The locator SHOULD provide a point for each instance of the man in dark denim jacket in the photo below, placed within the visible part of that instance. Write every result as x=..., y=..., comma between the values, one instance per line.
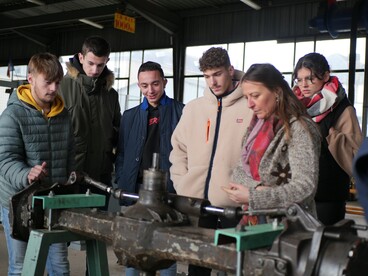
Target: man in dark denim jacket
x=144, y=130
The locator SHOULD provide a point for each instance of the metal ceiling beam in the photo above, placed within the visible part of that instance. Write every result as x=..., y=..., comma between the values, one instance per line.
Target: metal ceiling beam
x=10, y=84
x=44, y=42
x=56, y=18
x=164, y=19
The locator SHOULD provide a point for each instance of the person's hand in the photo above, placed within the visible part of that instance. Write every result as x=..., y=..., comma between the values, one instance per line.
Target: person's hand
x=237, y=193
x=331, y=131
x=38, y=172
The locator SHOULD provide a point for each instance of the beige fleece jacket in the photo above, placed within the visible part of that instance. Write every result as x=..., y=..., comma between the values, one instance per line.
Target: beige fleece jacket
x=193, y=143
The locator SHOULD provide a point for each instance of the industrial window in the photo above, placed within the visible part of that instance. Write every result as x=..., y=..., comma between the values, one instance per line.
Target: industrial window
x=284, y=57
x=125, y=66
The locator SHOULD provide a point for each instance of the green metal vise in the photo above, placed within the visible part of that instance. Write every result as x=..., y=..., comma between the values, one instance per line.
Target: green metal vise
x=40, y=239
x=248, y=238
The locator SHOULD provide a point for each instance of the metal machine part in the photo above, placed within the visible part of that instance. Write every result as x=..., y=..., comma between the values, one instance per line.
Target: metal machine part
x=306, y=247
x=159, y=230
x=151, y=205
x=23, y=217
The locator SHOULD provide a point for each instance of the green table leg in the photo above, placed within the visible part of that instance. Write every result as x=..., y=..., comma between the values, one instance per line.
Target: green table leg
x=97, y=258
x=38, y=247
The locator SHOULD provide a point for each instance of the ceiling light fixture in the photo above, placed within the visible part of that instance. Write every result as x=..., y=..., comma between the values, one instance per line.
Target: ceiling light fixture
x=91, y=23
x=251, y=4
x=37, y=2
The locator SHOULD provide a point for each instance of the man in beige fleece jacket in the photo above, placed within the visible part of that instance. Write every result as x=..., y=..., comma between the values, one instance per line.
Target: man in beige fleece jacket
x=207, y=140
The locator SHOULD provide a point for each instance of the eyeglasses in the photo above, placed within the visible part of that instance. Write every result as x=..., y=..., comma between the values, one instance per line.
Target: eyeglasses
x=307, y=80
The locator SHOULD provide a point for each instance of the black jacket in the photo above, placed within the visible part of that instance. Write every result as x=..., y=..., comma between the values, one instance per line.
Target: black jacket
x=95, y=112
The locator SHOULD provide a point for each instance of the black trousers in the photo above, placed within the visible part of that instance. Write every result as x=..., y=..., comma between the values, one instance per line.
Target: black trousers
x=210, y=222
x=330, y=212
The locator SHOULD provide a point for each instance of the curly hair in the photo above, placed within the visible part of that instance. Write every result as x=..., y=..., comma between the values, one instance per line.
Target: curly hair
x=214, y=57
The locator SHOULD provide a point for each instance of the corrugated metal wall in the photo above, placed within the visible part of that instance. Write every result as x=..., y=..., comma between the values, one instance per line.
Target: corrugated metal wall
x=266, y=24
x=286, y=22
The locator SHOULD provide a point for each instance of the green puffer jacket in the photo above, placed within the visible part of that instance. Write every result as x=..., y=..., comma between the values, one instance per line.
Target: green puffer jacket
x=27, y=139
x=95, y=112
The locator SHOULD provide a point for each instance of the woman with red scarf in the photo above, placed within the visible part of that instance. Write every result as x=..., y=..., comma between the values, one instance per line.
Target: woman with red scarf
x=279, y=160
x=327, y=104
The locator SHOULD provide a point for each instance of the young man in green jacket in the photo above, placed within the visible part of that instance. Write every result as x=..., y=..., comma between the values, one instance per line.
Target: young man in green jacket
x=36, y=145
x=94, y=108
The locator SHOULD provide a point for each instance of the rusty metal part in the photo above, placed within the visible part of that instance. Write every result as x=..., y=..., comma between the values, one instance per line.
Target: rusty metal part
x=151, y=205
x=187, y=205
x=23, y=217
x=159, y=230
x=151, y=246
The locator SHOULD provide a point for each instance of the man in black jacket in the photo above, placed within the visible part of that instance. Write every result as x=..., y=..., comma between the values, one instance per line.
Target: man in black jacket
x=94, y=108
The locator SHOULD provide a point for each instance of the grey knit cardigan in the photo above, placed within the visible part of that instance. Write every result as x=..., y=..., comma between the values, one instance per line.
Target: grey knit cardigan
x=289, y=168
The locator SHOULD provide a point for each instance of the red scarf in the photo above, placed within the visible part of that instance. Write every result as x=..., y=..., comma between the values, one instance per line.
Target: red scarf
x=248, y=219
x=263, y=139
x=323, y=102
x=265, y=135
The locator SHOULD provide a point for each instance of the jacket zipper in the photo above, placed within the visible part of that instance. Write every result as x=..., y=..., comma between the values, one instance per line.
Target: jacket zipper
x=218, y=121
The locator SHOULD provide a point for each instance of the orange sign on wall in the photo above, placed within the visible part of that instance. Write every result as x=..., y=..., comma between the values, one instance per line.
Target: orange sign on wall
x=125, y=23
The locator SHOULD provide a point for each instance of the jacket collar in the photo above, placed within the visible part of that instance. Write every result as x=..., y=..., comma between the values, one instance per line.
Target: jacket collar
x=228, y=98
x=74, y=69
x=164, y=100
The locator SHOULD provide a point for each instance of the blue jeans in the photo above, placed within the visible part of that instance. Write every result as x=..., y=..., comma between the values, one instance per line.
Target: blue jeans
x=57, y=263
x=170, y=271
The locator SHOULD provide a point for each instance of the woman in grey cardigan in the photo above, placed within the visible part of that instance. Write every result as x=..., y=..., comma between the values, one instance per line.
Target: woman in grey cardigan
x=279, y=160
